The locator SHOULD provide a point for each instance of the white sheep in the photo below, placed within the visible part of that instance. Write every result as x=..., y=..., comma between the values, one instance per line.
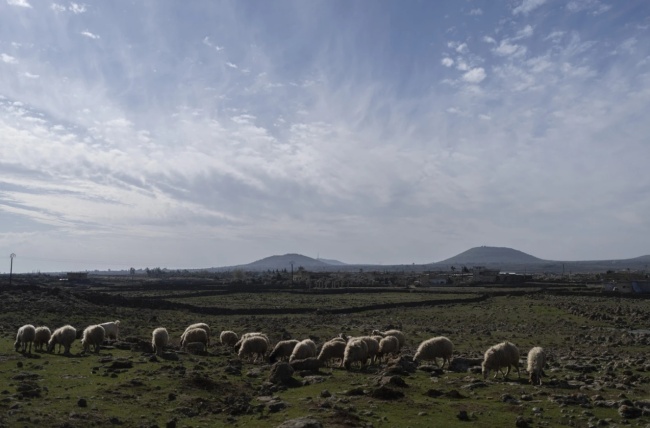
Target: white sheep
x=228, y=338
x=504, y=354
x=26, y=335
x=332, y=350
x=434, y=348
x=356, y=350
x=304, y=349
x=282, y=350
x=200, y=325
x=255, y=346
x=536, y=361
x=194, y=335
x=111, y=329
x=247, y=335
x=398, y=334
x=43, y=335
x=159, y=339
x=93, y=335
x=62, y=336
x=373, y=347
x=388, y=345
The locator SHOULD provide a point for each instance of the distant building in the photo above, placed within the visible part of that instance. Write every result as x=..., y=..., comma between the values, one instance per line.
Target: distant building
x=482, y=274
x=77, y=276
x=511, y=278
x=640, y=287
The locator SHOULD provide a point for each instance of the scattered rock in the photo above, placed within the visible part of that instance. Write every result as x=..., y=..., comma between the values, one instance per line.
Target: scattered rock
x=462, y=365
x=386, y=393
x=277, y=406
x=306, y=422
x=522, y=422
x=463, y=416
x=282, y=373
x=82, y=402
x=629, y=412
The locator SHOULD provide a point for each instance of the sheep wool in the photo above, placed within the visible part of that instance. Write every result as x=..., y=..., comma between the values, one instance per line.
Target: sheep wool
x=303, y=349
x=434, y=348
x=25, y=336
x=398, y=334
x=228, y=338
x=332, y=350
x=200, y=325
x=194, y=335
x=41, y=338
x=282, y=350
x=111, y=329
x=504, y=354
x=536, y=361
x=159, y=339
x=356, y=351
x=254, y=346
x=93, y=336
x=388, y=345
x=62, y=336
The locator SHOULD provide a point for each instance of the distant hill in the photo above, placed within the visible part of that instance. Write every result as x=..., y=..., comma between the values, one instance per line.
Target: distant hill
x=284, y=262
x=332, y=262
x=490, y=255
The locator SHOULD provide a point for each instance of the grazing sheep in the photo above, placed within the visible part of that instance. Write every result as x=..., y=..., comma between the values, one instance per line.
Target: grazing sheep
x=111, y=329
x=388, y=345
x=356, y=351
x=304, y=349
x=333, y=349
x=434, y=348
x=536, y=362
x=200, y=325
x=247, y=335
x=255, y=346
x=282, y=350
x=194, y=335
x=310, y=364
x=373, y=347
x=62, y=336
x=228, y=338
x=371, y=342
x=504, y=354
x=398, y=334
x=159, y=339
x=26, y=335
x=93, y=335
x=41, y=338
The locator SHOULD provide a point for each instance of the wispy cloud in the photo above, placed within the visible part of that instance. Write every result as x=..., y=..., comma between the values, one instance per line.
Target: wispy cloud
x=475, y=75
x=8, y=59
x=20, y=3
x=528, y=6
x=77, y=8
x=159, y=140
x=90, y=35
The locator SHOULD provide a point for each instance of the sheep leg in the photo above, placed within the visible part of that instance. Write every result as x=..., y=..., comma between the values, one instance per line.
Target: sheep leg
x=508, y=372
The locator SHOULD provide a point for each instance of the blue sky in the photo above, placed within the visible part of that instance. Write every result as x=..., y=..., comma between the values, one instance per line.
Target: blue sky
x=213, y=133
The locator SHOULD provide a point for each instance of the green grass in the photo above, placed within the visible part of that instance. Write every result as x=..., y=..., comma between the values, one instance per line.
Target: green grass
x=202, y=391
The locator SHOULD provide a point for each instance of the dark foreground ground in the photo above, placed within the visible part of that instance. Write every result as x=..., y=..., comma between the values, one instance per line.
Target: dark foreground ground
x=598, y=373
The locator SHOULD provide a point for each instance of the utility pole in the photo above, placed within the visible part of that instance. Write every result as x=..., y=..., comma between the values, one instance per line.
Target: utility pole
x=291, y=272
x=11, y=267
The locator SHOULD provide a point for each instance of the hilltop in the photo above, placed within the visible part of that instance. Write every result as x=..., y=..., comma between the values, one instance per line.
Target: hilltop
x=491, y=255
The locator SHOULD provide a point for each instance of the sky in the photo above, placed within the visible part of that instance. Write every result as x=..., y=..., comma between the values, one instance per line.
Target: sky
x=214, y=133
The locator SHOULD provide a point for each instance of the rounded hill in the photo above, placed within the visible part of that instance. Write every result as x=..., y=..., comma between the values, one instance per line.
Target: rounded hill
x=491, y=255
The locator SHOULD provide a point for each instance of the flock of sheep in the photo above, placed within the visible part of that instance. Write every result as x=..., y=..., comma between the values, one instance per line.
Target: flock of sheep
x=302, y=355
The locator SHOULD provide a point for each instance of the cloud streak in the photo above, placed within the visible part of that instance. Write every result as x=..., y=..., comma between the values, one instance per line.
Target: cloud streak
x=363, y=144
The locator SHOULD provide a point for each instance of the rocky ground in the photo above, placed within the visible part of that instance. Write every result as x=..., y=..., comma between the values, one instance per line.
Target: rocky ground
x=598, y=370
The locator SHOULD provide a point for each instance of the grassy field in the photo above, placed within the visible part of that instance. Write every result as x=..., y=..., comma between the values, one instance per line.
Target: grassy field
x=597, y=345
